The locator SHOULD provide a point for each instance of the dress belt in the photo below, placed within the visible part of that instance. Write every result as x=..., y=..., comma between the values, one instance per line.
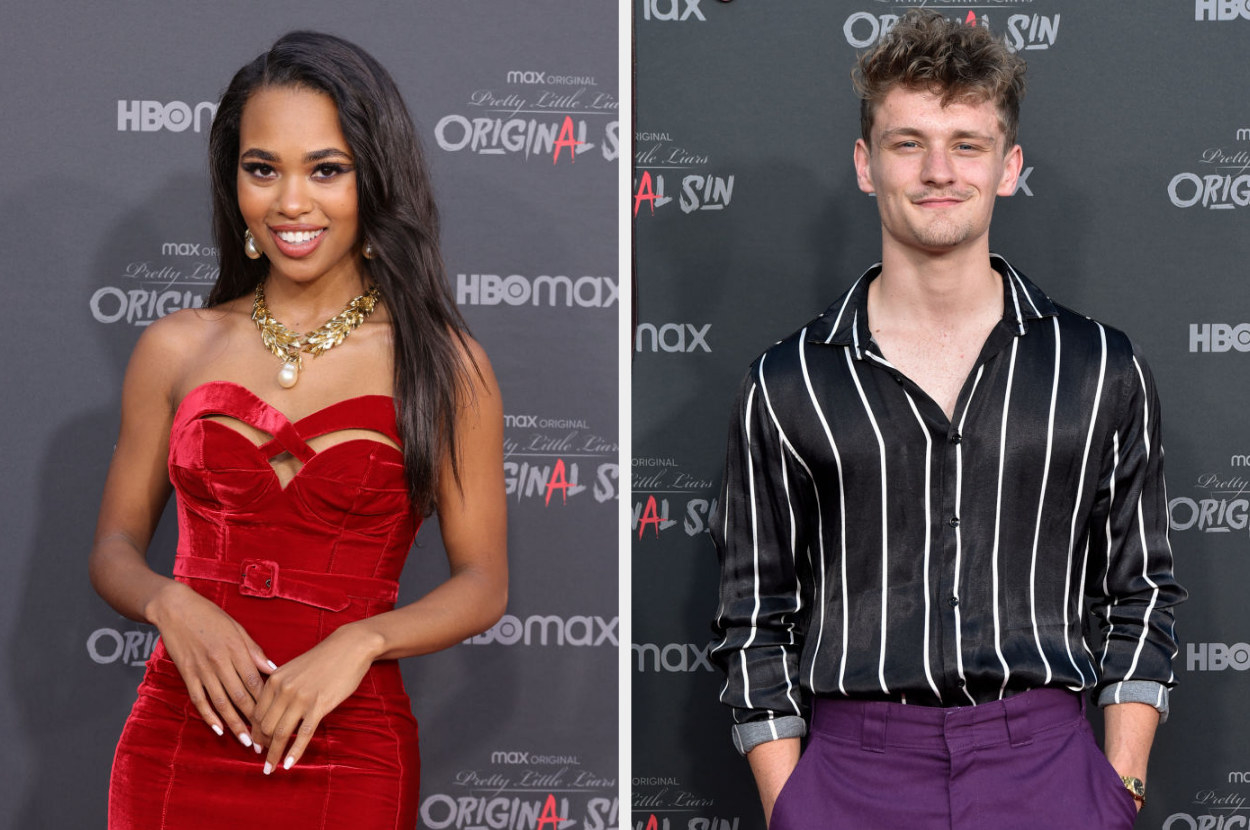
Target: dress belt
x=264, y=579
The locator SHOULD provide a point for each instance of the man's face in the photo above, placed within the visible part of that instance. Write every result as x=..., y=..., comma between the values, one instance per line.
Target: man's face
x=935, y=170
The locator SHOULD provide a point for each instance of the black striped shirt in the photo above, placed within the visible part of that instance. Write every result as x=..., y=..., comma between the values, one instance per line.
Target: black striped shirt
x=872, y=548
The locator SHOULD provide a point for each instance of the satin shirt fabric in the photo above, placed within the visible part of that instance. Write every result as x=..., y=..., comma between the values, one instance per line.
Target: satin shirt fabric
x=873, y=549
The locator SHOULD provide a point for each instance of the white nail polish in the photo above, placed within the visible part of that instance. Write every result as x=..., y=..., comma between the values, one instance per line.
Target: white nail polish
x=272, y=665
x=245, y=739
x=218, y=730
x=290, y=759
x=259, y=749
x=268, y=768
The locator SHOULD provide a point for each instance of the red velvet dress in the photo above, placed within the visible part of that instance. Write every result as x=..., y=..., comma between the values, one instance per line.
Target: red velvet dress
x=290, y=565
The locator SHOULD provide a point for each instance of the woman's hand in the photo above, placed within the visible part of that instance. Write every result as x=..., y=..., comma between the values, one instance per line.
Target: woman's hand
x=221, y=665
x=303, y=691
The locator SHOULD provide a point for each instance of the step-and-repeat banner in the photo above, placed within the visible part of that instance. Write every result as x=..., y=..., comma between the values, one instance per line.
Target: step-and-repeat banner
x=104, y=217
x=1132, y=208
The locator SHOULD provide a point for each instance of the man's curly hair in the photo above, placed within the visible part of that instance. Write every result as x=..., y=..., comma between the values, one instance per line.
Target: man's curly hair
x=926, y=51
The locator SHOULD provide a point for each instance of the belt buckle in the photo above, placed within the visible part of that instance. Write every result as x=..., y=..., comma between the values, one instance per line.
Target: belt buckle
x=260, y=578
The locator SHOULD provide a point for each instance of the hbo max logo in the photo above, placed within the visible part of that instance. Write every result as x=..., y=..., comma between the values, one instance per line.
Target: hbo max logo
x=1219, y=337
x=491, y=289
x=1217, y=656
x=1221, y=9
x=152, y=116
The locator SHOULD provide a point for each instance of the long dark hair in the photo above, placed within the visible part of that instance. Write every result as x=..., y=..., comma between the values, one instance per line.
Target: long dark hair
x=396, y=213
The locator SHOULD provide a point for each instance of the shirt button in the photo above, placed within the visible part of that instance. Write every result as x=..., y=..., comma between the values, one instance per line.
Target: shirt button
x=962, y=683
x=953, y=601
x=953, y=521
x=898, y=378
x=956, y=438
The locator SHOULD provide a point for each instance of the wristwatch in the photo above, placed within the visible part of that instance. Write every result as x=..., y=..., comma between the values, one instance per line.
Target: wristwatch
x=1136, y=788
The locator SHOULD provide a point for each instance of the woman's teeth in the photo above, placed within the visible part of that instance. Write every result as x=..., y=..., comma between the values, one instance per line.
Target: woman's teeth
x=298, y=237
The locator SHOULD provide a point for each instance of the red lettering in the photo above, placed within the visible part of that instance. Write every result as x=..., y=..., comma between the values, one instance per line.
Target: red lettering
x=548, y=815
x=566, y=139
x=558, y=482
x=652, y=824
x=650, y=515
x=645, y=193
x=971, y=19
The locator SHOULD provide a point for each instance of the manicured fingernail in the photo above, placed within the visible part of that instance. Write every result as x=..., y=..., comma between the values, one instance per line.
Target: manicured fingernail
x=272, y=665
x=218, y=730
x=290, y=759
x=245, y=739
x=268, y=768
x=259, y=749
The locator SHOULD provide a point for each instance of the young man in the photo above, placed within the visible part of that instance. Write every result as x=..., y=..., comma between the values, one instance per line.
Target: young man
x=944, y=514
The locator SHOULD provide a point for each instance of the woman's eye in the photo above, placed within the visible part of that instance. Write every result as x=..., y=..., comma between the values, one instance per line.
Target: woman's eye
x=329, y=170
x=258, y=169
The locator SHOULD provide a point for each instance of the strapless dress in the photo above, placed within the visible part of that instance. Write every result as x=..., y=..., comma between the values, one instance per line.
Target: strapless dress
x=290, y=564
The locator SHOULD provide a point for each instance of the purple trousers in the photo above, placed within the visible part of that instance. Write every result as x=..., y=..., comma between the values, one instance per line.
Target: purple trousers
x=1025, y=763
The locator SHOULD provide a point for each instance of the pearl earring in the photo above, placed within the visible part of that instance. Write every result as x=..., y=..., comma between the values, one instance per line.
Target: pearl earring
x=368, y=251
x=249, y=245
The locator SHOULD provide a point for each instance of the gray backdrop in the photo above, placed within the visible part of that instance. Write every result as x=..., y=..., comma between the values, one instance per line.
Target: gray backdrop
x=1132, y=209
x=104, y=217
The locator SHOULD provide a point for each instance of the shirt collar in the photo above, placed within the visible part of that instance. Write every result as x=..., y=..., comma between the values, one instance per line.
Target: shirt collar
x=845, y=323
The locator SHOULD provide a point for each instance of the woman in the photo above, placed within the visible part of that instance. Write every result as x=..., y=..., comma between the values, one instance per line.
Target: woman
x=303, y=465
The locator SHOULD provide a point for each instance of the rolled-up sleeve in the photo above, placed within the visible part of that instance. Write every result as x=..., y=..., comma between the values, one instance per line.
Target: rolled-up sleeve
x=1133, y=598
x=760, y=537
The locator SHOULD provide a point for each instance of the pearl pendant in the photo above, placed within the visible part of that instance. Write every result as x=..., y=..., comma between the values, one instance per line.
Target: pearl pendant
x=288, y=375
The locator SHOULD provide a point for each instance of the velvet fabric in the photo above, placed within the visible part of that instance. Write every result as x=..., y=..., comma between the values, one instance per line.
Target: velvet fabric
x=290, y=564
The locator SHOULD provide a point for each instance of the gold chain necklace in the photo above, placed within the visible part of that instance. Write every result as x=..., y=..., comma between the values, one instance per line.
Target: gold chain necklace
x=290, y=346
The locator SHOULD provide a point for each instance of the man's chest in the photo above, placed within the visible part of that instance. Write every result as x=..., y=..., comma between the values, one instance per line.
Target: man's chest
x=937, y=361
